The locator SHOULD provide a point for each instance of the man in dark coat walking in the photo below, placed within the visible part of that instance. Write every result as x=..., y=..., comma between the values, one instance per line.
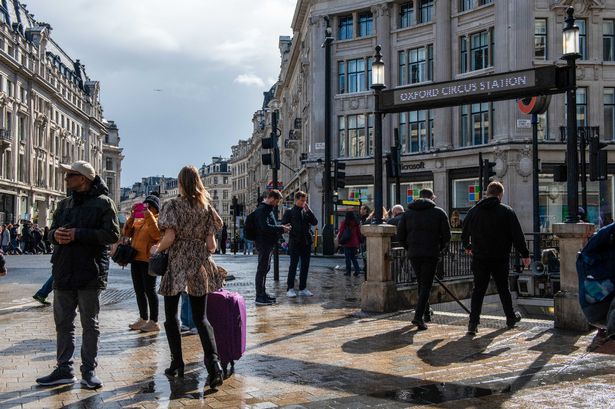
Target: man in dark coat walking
x=268, y=236
x=424, y=232
x=300, y=218
x=83, y=227
x=490, y=229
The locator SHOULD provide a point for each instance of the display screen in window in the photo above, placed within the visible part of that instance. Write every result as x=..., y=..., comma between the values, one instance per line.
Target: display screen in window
x=466, y=193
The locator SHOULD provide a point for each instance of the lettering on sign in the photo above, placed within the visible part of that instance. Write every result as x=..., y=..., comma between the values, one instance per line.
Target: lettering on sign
x=319, y=146
x=413, y=166
x=524, y=123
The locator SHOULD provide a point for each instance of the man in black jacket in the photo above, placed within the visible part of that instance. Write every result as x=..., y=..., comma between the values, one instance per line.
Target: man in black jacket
x=424, y=232
x=267, y=238
x=83, y=227
x=300, y=218
x=489, y=230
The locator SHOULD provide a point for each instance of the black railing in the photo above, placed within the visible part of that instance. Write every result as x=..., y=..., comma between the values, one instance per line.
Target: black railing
x=456, y=264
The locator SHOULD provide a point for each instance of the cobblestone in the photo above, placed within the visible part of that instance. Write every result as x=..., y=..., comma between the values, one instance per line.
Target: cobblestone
x=318, y=352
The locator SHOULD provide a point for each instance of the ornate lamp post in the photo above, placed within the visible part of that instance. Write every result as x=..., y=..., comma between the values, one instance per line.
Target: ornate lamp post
x=377, y=85
x=571, y=48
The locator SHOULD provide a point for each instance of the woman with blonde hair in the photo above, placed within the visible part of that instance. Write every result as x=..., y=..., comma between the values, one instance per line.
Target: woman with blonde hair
x=190, y=223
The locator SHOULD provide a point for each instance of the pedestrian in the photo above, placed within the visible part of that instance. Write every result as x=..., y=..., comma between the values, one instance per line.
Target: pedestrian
x=43, y=292
x=365, y=213
x=397, y=212
x=3, y=270
x=424, y=232
x=37, y=240
x=142, y=228
x=349, y=237
x=268, y=237
x=26, y=238
x=46, y=240
x=490, y=229
x=84, y=225
x=300, y=218
x=14, y=246
x=223, y=238
x=189, y=224
x=5, y=238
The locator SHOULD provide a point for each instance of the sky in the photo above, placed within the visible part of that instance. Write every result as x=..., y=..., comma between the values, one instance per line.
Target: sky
x=181, y=78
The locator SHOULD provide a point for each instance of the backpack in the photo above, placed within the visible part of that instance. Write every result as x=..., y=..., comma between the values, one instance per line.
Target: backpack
x=346, y=235
x=250, y=230
x=596, y=267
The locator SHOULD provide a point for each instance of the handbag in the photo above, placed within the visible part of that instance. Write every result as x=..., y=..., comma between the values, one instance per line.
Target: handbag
x=158, y=264
x=124, y=253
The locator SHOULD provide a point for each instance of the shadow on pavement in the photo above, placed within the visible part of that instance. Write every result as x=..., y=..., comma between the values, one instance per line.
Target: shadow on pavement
x=389, y=341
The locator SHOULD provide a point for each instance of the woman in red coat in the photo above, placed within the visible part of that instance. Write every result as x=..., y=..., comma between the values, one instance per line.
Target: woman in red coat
x=349, y=237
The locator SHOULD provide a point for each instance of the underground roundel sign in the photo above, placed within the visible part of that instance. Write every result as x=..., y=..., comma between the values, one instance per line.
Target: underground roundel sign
x=534, y=105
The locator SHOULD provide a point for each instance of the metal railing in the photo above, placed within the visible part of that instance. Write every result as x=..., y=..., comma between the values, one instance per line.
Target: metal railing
x=455, y=263
x=5, y=135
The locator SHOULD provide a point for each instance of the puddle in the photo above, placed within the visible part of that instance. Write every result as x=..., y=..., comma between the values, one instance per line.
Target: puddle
x=434, y=393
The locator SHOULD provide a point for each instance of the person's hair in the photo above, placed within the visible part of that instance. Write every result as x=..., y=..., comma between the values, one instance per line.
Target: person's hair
x=350, y=218
x=366, y=208
x=300, y=194
x=495, y=188
x=274, y=194
x=426, y=193
x=192, y=187
x=397, y=208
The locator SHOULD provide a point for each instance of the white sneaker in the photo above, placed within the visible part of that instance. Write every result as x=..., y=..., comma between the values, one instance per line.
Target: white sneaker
x=292, y=293
x=150, y=326
x=305, y=293
x=194, y=331
x=184, y=328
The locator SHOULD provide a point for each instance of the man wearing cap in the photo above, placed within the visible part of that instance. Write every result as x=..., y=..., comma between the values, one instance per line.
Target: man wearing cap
x=84, y=225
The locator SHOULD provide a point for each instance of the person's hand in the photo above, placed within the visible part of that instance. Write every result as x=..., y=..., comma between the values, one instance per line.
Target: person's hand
x=469, y=252
x=306, y=207
x=287, y=227
x=64, y=236
x=526, y=261
x=153, y=250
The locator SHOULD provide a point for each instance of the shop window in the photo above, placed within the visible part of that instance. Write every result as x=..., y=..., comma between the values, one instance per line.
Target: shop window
x=410, y=191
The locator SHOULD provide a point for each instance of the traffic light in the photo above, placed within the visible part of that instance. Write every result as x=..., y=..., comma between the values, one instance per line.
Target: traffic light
x=488, y=172
x=598, y=160
x=234, y=207
x=271, y=159
x=339, y=175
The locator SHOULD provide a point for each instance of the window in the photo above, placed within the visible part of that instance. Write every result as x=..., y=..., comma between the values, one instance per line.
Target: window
x=540, y=38
x=109, y=163
x=480, y=55
x=608, y=40
x=406, y=15
x=475, y=124
x=341, y=77
x=356, y=78
x=543, y=127
x=355, y=135
x=366, y=24
x=9, y=87
x=465, y=5
x=110, y=184
x=416, y=131
x=609, y=113
x=22, y=129
x=416, y=65
x=582, y=38
x=345, y=28
x=425, y=11
x=582, y=107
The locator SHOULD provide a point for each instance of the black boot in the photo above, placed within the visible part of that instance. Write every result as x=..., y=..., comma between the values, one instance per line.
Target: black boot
x=216, y=375
x=175, y=346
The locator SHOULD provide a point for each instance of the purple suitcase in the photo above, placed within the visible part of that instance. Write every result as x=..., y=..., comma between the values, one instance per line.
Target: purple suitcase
x=226, y=312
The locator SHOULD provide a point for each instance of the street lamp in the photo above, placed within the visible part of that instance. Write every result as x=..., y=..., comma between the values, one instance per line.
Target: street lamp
x=377, y=85
x=571, y=48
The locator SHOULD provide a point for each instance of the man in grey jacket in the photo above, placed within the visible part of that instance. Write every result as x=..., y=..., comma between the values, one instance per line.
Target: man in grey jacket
x=83, y=227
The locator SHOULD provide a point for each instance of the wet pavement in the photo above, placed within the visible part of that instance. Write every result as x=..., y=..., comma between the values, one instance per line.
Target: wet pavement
x=318, y=352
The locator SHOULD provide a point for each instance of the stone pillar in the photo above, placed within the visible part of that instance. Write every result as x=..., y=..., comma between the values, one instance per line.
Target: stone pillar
x=572, y=237
x=379, y=292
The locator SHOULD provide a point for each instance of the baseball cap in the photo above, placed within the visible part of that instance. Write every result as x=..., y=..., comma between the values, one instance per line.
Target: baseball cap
x=82, y=167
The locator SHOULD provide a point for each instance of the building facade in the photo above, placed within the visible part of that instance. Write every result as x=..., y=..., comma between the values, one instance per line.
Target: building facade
x=112, y=160
x=50, y=113
x=427, y=41
x=216, y=177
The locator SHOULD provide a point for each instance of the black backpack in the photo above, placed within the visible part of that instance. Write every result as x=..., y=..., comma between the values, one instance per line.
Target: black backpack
x=250, y=230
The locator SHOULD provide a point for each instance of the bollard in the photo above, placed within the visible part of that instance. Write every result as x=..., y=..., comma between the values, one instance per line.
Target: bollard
x=379, y=292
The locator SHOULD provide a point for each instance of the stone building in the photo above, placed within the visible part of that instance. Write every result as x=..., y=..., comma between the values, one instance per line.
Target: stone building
x=216, y=177
x=50, y=113
x=427, y=41
x=112, y=160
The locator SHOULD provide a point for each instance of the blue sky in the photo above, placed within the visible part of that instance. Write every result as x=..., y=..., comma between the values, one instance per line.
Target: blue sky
x=210, y=60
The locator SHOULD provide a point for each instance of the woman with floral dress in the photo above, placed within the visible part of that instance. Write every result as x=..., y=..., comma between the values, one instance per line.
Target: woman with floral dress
x=190, y=223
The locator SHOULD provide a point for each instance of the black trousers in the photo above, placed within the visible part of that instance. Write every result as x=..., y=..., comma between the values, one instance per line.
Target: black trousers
x=483, y=271
x=199, y=315
x=303, y=254
x=425, y=269
x=145, y=290
x=264, y=265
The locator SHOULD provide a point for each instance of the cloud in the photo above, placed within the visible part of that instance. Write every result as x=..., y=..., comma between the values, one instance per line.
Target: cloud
x=250, y=80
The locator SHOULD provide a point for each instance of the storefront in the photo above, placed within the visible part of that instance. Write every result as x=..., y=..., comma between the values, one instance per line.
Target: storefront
x=7, y=208
x=464, y=192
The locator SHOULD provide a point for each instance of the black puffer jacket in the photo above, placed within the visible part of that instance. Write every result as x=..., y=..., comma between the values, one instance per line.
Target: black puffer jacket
x=424, y=230
x=268, y=230
x=300, y=234
x=84, y=263
x=490, y=229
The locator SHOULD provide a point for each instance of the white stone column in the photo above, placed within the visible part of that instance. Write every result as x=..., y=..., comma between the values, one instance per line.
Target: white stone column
x=572, y=237
x=379, y=292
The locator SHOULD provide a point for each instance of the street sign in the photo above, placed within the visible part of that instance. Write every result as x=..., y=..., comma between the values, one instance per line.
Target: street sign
x=524, y=123
x=319, y=146
x=494, y=87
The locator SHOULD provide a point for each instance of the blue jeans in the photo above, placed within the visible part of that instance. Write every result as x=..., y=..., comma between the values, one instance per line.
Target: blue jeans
x=249, y=247
x=351, y=257
x=46, y=288
x=186, y=312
